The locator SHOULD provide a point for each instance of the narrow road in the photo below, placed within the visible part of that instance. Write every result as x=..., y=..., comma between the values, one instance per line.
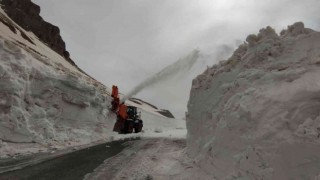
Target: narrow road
x=70, y=166
x=146, y=158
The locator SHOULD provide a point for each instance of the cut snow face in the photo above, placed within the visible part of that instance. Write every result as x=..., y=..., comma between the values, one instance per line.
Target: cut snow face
x=182, y=65
x=256, y=115
x=42, y=104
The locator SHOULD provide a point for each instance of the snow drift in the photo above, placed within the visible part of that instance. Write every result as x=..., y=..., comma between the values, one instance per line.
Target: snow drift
x=256, y=115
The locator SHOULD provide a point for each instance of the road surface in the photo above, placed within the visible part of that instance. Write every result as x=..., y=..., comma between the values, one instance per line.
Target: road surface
x=147, y=158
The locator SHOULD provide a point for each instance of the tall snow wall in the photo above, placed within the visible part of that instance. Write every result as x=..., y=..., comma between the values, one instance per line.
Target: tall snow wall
x=256, y=115
x=45, y=99
x=39, y=103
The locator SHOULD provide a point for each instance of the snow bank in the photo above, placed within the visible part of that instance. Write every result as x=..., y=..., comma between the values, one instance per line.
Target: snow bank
x=41, y=104
x=44, y=100
x=256, y=115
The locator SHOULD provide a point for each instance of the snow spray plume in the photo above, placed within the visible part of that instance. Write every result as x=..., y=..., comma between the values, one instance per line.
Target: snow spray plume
x=182, y=65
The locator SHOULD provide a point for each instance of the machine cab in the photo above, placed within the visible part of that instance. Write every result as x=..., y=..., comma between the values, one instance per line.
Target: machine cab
x=132, y=112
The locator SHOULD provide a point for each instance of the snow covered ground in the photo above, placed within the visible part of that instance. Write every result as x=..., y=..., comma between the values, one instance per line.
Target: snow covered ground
x=256, y=115
x=150, y=158
x=48, y=104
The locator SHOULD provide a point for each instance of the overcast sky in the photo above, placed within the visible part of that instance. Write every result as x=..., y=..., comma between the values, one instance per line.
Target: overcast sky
x=123, y=42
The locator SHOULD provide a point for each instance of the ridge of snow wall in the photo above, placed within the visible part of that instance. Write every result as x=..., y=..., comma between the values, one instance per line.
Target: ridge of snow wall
x=256, y=115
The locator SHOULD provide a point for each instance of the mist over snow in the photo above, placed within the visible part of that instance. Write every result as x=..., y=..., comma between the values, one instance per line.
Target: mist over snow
x=124, y=42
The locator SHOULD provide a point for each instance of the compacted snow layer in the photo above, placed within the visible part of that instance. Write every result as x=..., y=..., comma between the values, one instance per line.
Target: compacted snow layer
x=40, y=104
x=43, y=98
x=256, y=115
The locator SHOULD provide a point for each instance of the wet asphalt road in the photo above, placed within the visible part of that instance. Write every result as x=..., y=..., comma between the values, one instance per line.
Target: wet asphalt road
x=70, y=166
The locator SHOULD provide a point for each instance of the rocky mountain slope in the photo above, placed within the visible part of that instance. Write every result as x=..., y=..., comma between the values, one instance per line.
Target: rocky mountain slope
x=256, y=115
x=27, y=15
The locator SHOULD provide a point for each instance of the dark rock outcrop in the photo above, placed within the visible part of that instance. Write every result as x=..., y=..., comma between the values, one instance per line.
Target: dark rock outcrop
x=27, y=15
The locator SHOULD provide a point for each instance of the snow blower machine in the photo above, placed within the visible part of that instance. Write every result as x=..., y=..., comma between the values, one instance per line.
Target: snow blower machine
x=128, y=119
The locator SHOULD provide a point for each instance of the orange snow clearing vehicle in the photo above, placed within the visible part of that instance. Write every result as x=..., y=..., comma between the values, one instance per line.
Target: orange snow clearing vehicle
x=128, y=119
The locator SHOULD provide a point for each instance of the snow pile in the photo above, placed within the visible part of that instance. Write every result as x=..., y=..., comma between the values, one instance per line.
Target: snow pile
x=256, y=115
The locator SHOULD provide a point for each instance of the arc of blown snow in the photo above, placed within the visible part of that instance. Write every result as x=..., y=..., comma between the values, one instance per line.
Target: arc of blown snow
x=182, y=65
